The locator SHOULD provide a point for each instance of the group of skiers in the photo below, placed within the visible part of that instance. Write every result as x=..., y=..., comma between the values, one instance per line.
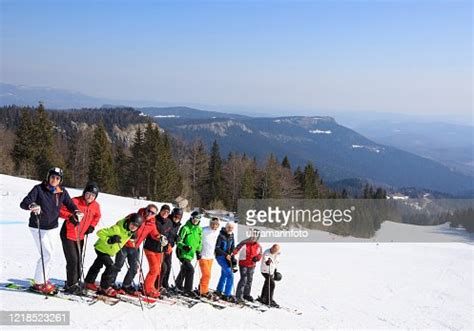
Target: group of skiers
x=160, y=231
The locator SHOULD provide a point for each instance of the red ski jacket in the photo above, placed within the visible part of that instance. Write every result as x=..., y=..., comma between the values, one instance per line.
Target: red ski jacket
x=248, y=250
x=91, y=218
x=147, y=228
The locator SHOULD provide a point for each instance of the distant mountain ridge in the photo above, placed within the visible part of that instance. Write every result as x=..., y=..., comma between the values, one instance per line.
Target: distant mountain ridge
x=338, y=152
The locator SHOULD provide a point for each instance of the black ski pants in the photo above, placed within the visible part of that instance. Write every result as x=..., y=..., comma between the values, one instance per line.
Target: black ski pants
x=186, y=274
x=101, y=260
x=268, y=289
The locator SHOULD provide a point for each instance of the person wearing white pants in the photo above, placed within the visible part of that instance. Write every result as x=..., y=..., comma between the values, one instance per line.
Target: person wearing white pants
x=49, y=240
x=44, y=202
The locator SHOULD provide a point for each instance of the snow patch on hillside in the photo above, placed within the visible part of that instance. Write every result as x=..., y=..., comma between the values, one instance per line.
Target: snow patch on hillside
x=369, y=148
x=320, y=131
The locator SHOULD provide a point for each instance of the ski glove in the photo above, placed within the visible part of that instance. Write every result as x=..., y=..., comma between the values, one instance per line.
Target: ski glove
x=163, y=241
x=198, y=255
x=268, y=262
x=90, y=229
x=255, y=259
x=187, y=248
x=73, y=220
x=76, y=218
x=133, y=236
x=115, y=239
x=35, y=209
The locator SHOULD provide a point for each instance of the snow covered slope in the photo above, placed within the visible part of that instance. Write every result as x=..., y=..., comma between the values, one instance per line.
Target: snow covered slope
x=335, y=285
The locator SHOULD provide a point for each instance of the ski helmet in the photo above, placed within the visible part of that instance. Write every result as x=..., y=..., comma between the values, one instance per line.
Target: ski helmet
x=177, y=212
x=165, y=207
x=277, y=276
x=91, y=187
x=195, y=215
x=134, y=219
x=55, y=171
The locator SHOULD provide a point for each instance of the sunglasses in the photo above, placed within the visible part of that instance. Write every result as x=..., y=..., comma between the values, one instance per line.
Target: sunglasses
x=151, y=212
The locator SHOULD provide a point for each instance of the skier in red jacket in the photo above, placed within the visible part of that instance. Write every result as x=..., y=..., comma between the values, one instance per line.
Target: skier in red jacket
x=250, y=254
x=73, y=232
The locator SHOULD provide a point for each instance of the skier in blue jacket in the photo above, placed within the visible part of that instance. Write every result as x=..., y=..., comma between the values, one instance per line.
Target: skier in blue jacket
x=44, y=202
x=225, y=245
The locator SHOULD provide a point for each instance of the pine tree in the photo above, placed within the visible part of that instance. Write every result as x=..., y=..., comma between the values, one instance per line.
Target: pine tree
x=214, y=180
x=233, y=171
x=270, y=187
x=247, y=190
x=136, y=168
x=310, y=182
x=289, y=184
x=122, y=169
x=168, y=178
x=198, y=172
x=380, y=194
x=286, y=163
x=101, y=166
x=344, y=194
x=151, y=150
x=43, y=142
x=23, y=153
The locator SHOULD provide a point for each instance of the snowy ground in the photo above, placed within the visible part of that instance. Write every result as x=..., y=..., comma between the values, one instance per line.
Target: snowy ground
x=335, y=285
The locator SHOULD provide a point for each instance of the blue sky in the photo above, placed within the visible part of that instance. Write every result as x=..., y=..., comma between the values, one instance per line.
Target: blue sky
x=395, y=56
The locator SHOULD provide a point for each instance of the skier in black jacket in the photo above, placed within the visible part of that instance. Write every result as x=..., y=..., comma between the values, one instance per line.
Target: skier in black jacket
x=175, y=217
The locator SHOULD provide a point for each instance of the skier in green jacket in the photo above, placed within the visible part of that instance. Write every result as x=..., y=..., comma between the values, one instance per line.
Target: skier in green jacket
x=189, y=244
x=110, y=242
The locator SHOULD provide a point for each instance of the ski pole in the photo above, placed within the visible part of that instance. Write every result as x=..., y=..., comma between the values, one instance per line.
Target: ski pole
x=141, y=277
x=41, y=252
x=79, y=250
x=84, y=257
x=199, y=277
x=172, y=270
x=128, y=270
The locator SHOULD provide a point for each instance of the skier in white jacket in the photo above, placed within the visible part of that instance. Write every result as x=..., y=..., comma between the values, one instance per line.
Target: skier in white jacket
x=269, y=271
x=209, y=238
